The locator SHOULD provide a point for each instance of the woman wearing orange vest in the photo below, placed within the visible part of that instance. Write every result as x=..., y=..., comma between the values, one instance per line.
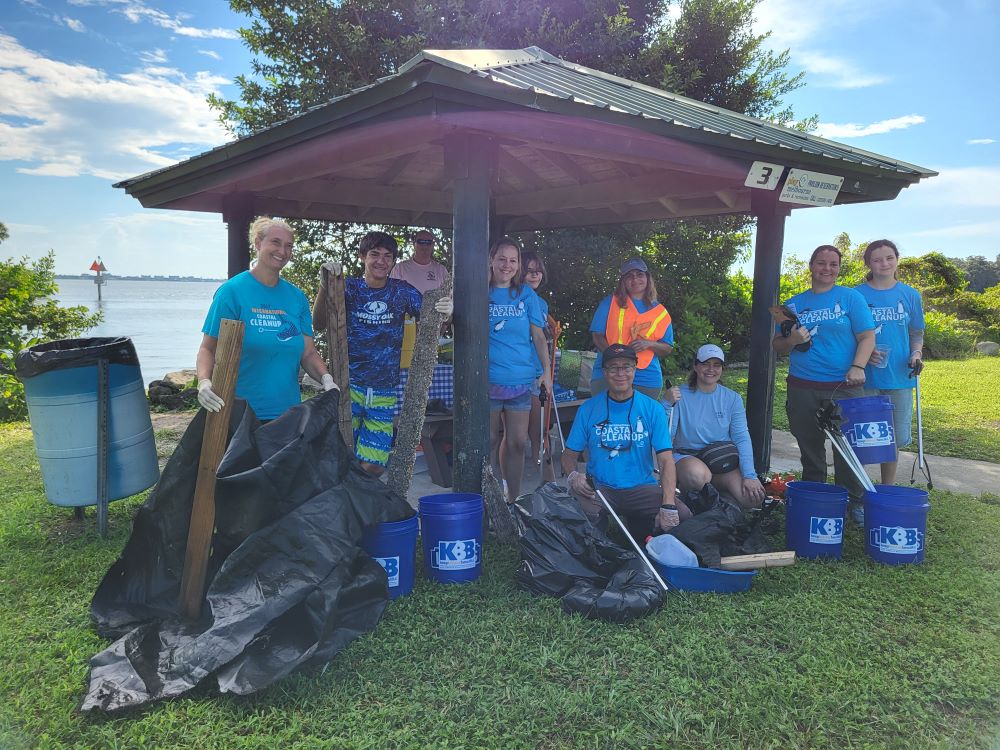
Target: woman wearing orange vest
x=633, y=317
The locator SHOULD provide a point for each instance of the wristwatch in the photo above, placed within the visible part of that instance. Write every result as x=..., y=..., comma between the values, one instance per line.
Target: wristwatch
x=668, y=507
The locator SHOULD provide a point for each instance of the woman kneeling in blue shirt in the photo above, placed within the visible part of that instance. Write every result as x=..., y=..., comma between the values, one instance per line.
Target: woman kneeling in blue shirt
x=706, y=412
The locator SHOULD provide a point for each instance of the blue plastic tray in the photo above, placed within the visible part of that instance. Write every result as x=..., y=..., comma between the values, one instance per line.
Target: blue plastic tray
x=707, y=579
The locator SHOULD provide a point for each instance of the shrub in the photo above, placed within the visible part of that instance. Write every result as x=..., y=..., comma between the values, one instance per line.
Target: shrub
x=946, y=336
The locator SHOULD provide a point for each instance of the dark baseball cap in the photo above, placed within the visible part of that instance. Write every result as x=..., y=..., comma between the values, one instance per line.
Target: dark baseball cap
x=634, y=264
x=619, y=351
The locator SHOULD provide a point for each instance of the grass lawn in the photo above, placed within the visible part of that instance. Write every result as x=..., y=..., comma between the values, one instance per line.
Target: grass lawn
x=961, y=403
x=842, y=655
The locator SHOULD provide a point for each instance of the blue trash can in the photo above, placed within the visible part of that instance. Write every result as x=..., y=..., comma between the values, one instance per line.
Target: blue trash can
x=868, y=428
x=896, y=524
x=814, y=519
x=60, y=387
x=393, y=545
x=451, y=527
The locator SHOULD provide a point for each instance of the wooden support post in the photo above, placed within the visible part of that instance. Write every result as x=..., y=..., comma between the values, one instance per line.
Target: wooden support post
x=336, y=337
x=237, y=212
x=770, y=216
x=213, y=446
x=471, y=163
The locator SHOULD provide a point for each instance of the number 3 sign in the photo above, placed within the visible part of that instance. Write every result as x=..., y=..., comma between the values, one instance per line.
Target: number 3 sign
x=764, y=176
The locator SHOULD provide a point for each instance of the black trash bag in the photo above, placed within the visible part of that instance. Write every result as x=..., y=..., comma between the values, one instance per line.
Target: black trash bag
x=563, y=555
x=287, y=585
x=66, y=353
x=720, y=528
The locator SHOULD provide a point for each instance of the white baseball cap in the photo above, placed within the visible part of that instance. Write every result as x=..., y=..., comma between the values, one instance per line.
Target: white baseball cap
x=708, y=351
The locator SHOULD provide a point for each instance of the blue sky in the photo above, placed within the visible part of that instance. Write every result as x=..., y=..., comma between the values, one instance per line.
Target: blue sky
x=92, y=91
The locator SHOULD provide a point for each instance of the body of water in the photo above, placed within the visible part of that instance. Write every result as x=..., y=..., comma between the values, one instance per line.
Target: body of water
x=163, y=318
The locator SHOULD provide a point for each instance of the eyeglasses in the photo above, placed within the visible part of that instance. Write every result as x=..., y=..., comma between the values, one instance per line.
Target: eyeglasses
x=423, y=241
x=532, y=271
x=620, y=369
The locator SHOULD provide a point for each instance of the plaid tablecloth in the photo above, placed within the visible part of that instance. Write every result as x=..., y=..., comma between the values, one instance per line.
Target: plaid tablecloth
x=443, y=384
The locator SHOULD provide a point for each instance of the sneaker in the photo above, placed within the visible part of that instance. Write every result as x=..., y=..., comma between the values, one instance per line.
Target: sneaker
x=857, y=513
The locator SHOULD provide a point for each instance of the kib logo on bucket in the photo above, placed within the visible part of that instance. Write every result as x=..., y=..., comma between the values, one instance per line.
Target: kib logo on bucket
x=391, y=566
x=826, y=530
x=870, y=434
x=456, y=554
x=897, y=540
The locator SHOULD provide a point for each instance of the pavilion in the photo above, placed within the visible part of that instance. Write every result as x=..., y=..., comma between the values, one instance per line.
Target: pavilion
x=488, y=142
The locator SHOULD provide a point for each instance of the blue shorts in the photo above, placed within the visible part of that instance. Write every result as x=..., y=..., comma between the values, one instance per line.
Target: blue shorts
x=371, y=418
x=518, y=403
x=902, y=412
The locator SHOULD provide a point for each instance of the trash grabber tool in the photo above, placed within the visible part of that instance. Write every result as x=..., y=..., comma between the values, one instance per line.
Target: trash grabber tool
x=920, y=461
x=827, y=418
x=562, y=440
x=635, y=544
x=542, y=398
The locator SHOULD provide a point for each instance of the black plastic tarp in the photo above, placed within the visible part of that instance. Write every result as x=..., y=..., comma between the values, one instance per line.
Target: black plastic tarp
x=66, y=353
x=564, y=556
x=719, y=528
x=287, y=587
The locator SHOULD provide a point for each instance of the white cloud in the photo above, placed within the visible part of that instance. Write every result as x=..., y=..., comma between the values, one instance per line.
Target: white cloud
x=981, y=141
x=854, y=130
x=153, y=56
x=75, y=25
x=73, y=119
x=136, y=11
x=210, y=53
x=966, y=187
x=802, y=28
x=974, y=229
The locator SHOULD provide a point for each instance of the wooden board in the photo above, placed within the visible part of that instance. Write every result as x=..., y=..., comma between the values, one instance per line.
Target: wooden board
x=336, y=332
x=213, y=446
x=753, y=562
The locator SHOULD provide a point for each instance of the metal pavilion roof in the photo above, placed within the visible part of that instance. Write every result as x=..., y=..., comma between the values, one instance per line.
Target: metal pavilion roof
x=575, y=147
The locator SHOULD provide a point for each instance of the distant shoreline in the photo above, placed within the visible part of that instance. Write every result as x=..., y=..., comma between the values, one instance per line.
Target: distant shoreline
x=111, y=277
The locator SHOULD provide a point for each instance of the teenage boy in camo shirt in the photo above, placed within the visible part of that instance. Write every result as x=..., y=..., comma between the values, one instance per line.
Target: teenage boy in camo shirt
x=376, y=306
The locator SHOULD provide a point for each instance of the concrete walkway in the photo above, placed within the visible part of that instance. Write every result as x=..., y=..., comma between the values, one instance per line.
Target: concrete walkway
x=952, y=474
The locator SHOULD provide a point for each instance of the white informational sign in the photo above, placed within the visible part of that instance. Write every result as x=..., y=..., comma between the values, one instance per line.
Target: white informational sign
x=764, y=176
x=810, y=188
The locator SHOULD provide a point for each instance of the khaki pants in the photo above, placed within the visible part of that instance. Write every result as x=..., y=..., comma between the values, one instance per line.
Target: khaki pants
x=801, y=407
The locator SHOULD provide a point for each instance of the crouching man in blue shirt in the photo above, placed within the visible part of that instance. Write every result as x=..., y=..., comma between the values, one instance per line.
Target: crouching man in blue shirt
x=621, y=429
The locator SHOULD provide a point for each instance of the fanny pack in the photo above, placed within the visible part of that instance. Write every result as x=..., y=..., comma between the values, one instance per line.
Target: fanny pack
x=719, y=457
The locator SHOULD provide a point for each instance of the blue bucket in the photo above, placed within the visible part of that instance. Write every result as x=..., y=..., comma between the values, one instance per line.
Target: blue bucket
x=451, y=526
x=895, y=524
x=868, y=428
x=814, y=519
x=393, y=545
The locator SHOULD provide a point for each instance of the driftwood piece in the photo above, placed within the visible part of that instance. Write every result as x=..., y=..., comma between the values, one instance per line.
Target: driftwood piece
x=336, y=336
x=501, y=520
x=411, y=417
x=213, y=445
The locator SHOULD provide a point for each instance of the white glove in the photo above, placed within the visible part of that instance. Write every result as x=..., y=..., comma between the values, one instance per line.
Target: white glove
x=334, y=267
x=328, y=384
x=445, y=306
x=209, y=398
x=668, y=518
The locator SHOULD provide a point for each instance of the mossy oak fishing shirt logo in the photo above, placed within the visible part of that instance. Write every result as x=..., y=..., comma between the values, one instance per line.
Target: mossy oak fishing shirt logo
x=266, y=319
x=504, y=312
x=375, y=312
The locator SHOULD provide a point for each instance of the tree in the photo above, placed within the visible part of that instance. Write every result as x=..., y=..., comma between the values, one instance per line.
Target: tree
x=308, y=52
x=981, y=273
x=3, y=232
x=29, y=316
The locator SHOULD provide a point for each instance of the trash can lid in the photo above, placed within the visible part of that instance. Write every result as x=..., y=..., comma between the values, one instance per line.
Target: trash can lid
x=63, y=354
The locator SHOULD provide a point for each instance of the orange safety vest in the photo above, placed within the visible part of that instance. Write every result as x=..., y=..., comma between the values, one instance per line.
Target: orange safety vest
x=626, y=323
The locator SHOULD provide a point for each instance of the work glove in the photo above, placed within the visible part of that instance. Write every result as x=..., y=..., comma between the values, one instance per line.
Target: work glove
x=328, y=384
x=334, y=267
x=578, y=485
x=445, y=306
x=667, y=518
x=209, y=398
